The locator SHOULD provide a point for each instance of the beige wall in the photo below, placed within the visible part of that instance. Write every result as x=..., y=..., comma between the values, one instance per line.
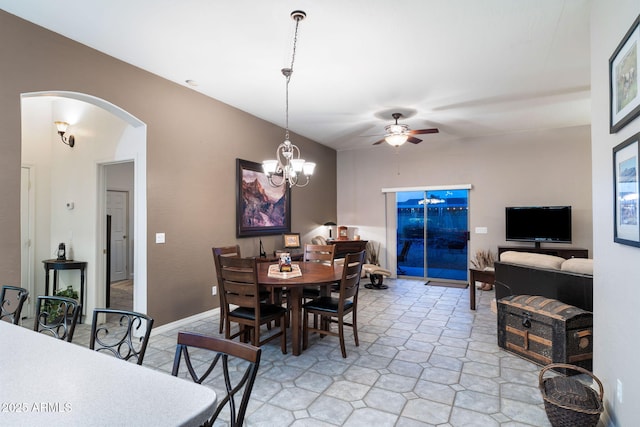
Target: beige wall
x=616, y=273
x=192, y=144
x=546, y=167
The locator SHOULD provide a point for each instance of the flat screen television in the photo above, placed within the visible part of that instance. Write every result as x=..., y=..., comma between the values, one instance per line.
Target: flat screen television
x=538, y=224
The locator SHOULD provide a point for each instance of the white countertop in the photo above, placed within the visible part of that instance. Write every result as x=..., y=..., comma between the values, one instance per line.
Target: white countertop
x=46, y=381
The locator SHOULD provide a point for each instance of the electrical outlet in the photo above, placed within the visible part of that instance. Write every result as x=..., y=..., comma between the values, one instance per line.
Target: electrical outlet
x=619, y=390
x=214, y=290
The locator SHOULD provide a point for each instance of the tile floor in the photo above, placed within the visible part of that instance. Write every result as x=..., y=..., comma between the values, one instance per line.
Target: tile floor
x=424, y=359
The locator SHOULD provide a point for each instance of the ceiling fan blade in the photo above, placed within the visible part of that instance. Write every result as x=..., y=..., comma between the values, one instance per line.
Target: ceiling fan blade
x=379, y=142
x=422, y=131
x=413, y=140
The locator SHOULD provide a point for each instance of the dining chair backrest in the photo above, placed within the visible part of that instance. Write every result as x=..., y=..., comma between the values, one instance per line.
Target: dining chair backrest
x=12, y=298
x=351, y=273
x=57, y=316
x=124, y=335
x=240, y=281
x=223, y=251
x=319, y=253
x=240, y=381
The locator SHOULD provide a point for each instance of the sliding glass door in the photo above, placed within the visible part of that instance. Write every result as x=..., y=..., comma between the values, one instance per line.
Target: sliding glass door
x=432, y=234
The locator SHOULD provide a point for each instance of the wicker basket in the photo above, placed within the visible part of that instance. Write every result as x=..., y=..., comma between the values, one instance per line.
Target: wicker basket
x=568, y=402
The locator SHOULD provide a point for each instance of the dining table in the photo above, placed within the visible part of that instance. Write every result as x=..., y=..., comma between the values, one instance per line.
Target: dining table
x=47, y=381
x=312, y=274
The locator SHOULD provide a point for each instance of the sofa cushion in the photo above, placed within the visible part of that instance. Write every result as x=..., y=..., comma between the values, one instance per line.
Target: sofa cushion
x=578, y=265
x=532, y=259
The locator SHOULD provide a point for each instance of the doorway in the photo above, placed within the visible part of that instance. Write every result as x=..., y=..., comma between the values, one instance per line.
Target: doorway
x=117, y=210
x=119, y=283
x=432, y=234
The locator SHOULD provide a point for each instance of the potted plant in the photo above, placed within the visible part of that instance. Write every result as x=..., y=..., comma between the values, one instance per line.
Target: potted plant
x=53, y=307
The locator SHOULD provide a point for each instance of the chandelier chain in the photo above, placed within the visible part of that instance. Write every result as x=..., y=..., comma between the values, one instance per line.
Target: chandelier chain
x=295, y=44
x=286, y=111
x=287, y=73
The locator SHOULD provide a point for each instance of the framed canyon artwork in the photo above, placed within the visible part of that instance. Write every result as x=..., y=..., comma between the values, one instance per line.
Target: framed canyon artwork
x=261, y=209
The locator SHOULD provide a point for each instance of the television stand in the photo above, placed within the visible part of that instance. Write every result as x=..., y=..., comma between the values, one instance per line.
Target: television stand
x=561, y=252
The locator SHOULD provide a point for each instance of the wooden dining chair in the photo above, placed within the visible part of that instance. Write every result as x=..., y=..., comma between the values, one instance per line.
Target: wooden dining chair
x=244, y=358
x=57, y=316
x=317, y=253
x=333, y=309
x=12, y=299
x=241, y=289
x=323, y=254
x=124, y=335
x=233, y=251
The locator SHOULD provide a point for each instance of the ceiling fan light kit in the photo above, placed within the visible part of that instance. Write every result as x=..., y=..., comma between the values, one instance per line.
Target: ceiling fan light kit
x=288, y=167
x=396, y=139
x=397, y=134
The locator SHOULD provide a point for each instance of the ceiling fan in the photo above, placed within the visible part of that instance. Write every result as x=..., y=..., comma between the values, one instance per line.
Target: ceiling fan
x=397, y=134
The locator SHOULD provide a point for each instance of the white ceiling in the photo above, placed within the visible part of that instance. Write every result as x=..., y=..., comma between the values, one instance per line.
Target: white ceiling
x=469, y=67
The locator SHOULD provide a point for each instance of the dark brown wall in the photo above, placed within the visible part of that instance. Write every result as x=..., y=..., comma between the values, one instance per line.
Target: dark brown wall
x=192, y=144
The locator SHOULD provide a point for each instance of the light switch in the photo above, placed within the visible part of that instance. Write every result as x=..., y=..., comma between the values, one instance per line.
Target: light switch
x=159, y=237
x=481, y=230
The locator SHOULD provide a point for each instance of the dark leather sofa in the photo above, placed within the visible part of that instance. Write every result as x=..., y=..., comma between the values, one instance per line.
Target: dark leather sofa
x=571, y=288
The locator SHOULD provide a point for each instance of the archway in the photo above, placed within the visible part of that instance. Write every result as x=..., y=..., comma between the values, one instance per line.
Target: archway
x=65, y=176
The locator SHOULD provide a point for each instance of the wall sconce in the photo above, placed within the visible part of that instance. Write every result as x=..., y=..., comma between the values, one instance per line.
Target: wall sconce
x=62, y=128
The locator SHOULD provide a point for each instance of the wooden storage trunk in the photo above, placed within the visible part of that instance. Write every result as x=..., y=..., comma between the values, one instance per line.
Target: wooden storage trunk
x=545, y=330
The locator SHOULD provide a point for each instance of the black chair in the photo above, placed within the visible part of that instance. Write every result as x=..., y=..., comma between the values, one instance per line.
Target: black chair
x=227, y=351
x=241, y=289
x=332, y=309
x=402, y=257
x=57, y=316
x=12, y=299
x=120, y=338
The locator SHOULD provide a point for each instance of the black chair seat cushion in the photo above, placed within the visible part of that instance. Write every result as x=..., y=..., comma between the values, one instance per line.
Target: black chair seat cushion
x=328, y=304
x=266, y=311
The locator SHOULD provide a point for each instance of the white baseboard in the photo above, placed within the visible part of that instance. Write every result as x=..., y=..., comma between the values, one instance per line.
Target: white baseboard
x=169, y=326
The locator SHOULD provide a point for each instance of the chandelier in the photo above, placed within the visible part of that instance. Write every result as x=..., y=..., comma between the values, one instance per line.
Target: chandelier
x=288, y=168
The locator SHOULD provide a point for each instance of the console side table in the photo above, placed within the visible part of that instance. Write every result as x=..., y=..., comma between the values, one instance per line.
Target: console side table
x=57, y=265
x=485, y=276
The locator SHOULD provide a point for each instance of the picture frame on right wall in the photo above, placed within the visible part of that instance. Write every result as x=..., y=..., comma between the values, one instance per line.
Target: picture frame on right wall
x=626, y=229
x=624, y=93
